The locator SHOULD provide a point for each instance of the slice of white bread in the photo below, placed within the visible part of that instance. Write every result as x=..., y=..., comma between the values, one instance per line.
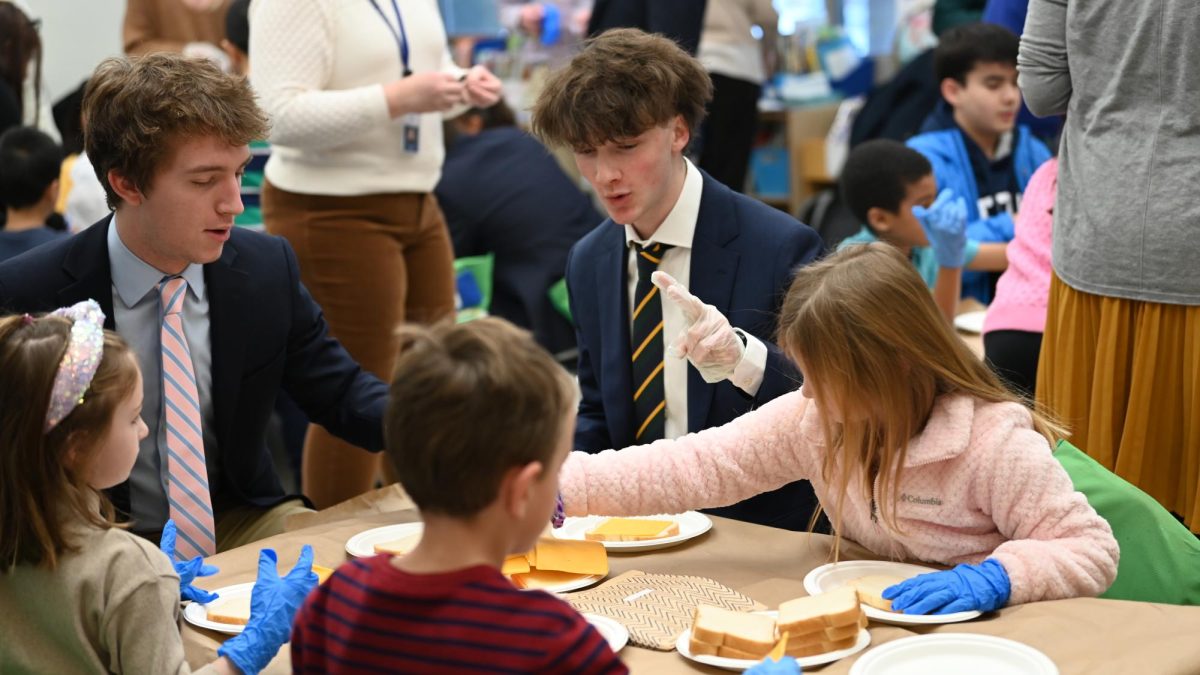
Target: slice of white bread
x=702, y=648
x=748, y=633
x=233, y=610
x=829, y=634
x=817, y=612
x=870, y=589
x=402, y=546
x=632, y=529
x=814, y=648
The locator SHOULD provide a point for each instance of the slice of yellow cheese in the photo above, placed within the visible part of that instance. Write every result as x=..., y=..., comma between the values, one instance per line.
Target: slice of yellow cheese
x=544, y=579
x=563, y=555
x=632, y=529
x=515, y=564
x=323, y=573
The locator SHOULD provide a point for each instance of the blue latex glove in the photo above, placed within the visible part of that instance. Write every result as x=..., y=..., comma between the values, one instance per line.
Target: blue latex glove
x=984, y=587
x=187, y=570
x=785, y=666
x=273, y=604
x=551, y=24
x=945, y=225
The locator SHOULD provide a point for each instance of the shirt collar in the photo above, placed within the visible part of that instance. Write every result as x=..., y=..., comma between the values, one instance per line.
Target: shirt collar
x=679, y=228
x=134, y=278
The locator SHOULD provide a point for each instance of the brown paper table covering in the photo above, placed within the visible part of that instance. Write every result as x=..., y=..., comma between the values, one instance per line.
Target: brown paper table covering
x=1084, y=636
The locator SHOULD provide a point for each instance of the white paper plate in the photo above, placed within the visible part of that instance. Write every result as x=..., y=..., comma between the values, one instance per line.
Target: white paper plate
x=835, y=575
x=613, y=632
x=362, y=545
x=691, y=525
x=954, y=653
x=197, y=614
x=970, y=322
x=681, y=644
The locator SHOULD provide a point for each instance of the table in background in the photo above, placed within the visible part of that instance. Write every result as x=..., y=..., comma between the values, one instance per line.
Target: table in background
x=1082, y=636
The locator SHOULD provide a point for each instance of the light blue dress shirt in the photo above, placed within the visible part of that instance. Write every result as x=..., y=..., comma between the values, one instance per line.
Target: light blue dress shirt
x=137, y=311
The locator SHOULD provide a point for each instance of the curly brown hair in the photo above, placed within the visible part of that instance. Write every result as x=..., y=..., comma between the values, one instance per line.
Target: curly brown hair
x=136, y=109
x=623, y=82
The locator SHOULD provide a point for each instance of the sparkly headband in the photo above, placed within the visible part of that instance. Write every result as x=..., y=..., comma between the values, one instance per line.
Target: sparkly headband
x=79, y=364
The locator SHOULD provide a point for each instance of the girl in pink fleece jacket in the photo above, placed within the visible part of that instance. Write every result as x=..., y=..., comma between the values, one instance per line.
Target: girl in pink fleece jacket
x=914, y=448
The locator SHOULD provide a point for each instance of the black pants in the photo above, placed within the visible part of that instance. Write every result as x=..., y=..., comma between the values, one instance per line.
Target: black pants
x=728, y=132
x=1013, y=355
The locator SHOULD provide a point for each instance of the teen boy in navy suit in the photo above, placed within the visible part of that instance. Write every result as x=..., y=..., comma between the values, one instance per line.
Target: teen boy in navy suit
x=648, y=368
x=168, y=138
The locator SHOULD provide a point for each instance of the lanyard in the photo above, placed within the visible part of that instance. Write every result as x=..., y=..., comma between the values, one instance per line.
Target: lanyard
x=401, y=37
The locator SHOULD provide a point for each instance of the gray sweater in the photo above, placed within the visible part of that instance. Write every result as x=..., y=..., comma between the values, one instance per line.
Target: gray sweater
x=1127, y=74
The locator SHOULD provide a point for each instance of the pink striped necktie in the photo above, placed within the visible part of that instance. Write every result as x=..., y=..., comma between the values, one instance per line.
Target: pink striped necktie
x=187, y=473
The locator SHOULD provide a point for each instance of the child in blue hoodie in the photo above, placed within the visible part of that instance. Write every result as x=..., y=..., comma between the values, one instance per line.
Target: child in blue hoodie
x=972, y=139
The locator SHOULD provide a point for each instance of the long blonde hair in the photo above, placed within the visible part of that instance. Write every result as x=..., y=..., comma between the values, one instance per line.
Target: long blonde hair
x=874, y=348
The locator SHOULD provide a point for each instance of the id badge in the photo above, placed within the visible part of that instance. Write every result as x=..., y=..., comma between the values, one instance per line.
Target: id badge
x=412, y=132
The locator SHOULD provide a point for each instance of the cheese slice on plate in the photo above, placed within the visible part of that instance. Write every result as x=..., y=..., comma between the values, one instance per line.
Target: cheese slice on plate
x=323, y=573
x=632, y=529
x=234, y=610
x=515, y=564
x=565, y=555
x=544, y=579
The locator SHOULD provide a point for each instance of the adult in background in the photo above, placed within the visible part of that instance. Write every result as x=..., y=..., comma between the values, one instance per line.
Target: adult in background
x=356, y=152
x=680, y=20
x=188, y=27
x=529, y=217
x=737, y=64
x=216, y=315
x=1120, y=358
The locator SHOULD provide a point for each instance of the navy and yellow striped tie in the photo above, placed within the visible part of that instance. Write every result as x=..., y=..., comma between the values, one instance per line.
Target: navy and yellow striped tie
x=649, y=399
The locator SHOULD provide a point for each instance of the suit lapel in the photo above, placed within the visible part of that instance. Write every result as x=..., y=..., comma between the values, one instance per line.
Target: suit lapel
x=87, y=263
x=227, y=317
x=615, y=350
x=714, y=269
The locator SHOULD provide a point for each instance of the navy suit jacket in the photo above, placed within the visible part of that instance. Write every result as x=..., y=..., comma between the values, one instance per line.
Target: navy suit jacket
x=744, y=254
x=680, y=20
x=266, y=332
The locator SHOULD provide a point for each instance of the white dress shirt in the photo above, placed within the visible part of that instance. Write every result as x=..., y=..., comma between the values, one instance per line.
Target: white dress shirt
x=677, y=231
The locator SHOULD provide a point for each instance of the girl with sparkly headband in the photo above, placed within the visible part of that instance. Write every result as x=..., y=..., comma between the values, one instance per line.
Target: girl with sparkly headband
x=88, y=596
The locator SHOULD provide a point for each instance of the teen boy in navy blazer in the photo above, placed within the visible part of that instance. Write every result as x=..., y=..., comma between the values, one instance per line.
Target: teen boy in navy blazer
x=651, y=367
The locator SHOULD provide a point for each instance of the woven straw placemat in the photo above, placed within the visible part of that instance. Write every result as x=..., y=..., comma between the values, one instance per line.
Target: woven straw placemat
x=657, y=608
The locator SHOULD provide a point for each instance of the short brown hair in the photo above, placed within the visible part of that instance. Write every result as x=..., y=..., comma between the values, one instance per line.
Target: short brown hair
x=41, y=492
x=622, y=83
x=469, y=402
x=137, y=108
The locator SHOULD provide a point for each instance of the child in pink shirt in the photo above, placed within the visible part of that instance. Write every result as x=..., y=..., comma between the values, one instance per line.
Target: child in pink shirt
x=914, y=448
x=1016, y=319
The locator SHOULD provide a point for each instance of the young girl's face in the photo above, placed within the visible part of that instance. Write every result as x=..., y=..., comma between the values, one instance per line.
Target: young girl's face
x=113, y=458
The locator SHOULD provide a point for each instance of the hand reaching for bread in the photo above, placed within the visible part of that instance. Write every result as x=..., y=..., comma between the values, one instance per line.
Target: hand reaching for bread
x=984, y=587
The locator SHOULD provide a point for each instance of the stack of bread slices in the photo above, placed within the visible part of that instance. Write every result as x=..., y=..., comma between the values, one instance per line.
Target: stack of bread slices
x=815, y=625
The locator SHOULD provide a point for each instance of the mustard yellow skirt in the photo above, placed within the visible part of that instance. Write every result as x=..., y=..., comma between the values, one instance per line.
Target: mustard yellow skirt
x=1124, y=375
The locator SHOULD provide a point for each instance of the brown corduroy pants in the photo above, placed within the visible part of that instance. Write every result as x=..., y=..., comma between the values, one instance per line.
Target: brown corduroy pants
x=372, y=263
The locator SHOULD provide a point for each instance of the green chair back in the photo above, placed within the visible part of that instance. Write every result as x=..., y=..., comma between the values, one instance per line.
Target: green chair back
x=1160, y=558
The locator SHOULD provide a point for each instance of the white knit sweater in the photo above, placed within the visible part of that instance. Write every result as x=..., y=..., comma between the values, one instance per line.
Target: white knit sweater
x=319, y=67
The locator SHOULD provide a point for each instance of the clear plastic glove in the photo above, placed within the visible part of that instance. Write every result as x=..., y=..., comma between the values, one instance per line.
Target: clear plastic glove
x=274, y=602
x=207, y=50
x=710, y=342
x=187, y=570
x=984, y=587
x=482, y=87
x=945, y=224
x=784, y=666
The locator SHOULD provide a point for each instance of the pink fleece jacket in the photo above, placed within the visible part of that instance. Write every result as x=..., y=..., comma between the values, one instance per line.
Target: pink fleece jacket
x=1023, y=291
x=977, y=482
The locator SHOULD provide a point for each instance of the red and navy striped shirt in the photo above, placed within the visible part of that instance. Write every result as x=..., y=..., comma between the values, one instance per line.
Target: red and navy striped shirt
x=371, y=617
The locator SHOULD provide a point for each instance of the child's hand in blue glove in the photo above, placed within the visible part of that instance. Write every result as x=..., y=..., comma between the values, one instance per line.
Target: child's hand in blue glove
x=945, y=224
x=274, y=602
x=984, y=587
x=784, y=666
x=187, y=570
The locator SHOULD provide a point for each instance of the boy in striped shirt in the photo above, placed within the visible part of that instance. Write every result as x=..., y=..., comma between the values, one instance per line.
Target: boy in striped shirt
x=480, y=420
